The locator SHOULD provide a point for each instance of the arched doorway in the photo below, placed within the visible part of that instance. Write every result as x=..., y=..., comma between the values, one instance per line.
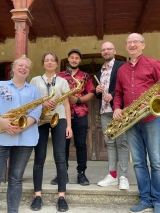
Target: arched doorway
x=92, y=63
x=5, y=68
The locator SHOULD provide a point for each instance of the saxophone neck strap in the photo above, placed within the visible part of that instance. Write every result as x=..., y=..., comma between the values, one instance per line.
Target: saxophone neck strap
x=48, y=85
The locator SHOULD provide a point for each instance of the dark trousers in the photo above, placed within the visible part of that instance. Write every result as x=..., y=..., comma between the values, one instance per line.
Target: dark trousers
x=59, y=144
x=19, y=156
x=79, y=127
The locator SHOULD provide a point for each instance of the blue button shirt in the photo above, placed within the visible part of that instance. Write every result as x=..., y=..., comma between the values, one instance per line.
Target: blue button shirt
x=10, y=98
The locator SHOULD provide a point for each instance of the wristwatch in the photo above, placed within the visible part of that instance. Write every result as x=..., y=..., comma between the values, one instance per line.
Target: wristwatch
x=79, y=101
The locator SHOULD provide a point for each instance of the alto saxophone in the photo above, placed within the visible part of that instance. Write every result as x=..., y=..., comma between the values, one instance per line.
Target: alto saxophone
x=135, y=112
x=20, y=113
x=46, y=117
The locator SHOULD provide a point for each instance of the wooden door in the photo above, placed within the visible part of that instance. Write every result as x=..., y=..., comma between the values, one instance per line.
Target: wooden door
x=92, y=63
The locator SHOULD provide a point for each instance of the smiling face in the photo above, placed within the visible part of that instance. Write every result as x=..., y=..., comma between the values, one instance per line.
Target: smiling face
x=134, y=45
x=21, y=68
x=74, y=60
x=108, y=51
x=50, y=64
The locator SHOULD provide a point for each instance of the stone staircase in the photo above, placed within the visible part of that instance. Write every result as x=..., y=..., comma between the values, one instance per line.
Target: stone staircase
x=77, y=194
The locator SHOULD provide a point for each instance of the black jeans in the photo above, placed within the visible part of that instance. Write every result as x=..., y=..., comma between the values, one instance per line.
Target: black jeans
x=19, y=156
x=79, y=127
x=59, y=144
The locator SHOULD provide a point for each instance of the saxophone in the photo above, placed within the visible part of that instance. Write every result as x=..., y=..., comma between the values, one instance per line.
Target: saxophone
x=136, y=111
x=46, y=117
x=20, y=113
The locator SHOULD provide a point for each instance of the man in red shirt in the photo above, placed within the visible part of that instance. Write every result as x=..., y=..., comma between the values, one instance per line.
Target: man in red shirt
x=79, y=111
x=134, y=78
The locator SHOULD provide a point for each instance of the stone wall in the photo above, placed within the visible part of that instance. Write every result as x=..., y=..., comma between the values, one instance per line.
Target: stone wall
x=85, y=44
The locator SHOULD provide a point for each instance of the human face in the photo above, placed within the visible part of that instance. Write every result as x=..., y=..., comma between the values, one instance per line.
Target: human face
x=50, y=64
x=74, y=60
x=135, y=45
x=108, y=51
x=21, y=68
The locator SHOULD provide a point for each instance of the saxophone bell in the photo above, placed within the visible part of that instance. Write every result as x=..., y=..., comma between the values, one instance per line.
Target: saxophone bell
x=47, y=117
x=54, y=120
x=155, y=105
x=21, y=122
x=20, y=113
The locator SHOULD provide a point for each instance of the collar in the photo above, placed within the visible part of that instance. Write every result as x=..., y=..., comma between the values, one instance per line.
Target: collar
x=68, y=73
x=46, y=78
x=12, y=83
x=137, y=59
x=107, y=65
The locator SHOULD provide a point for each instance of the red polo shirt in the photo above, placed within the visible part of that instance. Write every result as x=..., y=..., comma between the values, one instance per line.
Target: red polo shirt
x=133, y=80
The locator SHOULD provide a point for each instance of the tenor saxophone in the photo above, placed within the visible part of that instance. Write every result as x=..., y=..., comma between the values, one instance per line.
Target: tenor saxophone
x=47, y=117
x=136, y=111
x=20, y=113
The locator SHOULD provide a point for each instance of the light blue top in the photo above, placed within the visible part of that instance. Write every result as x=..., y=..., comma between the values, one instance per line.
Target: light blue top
x=10, y=98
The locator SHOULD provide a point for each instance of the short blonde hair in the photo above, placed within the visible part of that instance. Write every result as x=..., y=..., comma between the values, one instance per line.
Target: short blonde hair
x=15, y=62
x=23, y=57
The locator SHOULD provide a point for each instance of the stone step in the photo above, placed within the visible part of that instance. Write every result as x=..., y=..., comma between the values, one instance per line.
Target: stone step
x=77, y=194
x=73, y=209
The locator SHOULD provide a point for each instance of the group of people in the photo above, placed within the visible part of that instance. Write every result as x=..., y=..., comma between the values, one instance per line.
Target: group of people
x=118, y=85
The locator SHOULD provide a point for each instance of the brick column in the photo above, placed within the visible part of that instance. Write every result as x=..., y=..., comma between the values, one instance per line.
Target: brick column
x=23, y=20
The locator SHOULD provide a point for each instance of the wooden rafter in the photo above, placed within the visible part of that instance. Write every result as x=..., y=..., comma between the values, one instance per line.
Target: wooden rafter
x=10, y=4
x=55, y=18
x=99, y=8
x=145, y=13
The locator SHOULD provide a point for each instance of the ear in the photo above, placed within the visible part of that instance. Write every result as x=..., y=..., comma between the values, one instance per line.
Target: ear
x=143, y=46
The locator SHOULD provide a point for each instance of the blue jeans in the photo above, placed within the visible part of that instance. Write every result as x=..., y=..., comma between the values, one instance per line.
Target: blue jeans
x=19, y=156
x=59, y=144
x=117, y=149
x=144, y=138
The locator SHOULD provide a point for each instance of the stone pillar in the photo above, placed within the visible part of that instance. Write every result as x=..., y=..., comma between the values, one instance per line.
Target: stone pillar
x=23, y=20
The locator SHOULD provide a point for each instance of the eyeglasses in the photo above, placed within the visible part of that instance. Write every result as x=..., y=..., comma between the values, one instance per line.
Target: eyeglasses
x=134, y=42
x=107, y=49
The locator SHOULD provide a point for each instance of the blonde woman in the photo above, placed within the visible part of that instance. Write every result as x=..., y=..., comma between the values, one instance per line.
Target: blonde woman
x=15, y=142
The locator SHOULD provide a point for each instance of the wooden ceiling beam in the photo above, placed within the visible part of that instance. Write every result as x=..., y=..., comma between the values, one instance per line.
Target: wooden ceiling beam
x=144, y=15
x=10, y=4
x=99, y=9
x=55, y=18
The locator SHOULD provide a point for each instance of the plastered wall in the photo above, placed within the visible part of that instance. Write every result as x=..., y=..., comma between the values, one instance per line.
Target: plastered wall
x=85, y=44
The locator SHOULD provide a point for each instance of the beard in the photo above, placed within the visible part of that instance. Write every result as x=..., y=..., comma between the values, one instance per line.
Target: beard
x=108, y=59
x=73, y=67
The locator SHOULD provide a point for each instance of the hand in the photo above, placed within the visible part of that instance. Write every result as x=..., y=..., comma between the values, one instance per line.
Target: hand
x=107, y=97
x=50, y=104
x=99, y=89
x=68, y=132
x=117, y=115
x=8, y=127
x=72, y=99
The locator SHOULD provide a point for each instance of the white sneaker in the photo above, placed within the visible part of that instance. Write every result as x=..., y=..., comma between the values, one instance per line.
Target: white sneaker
x=108, y=181
x=123, y=184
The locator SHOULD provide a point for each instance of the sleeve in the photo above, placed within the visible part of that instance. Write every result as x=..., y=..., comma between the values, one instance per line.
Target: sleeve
x=36, y=113
x=89, y=86
x=118, y=97
x=156, y=70
x=65, y=86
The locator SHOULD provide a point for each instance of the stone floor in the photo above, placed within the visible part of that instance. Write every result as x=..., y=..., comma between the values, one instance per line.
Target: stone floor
x=96, y=170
